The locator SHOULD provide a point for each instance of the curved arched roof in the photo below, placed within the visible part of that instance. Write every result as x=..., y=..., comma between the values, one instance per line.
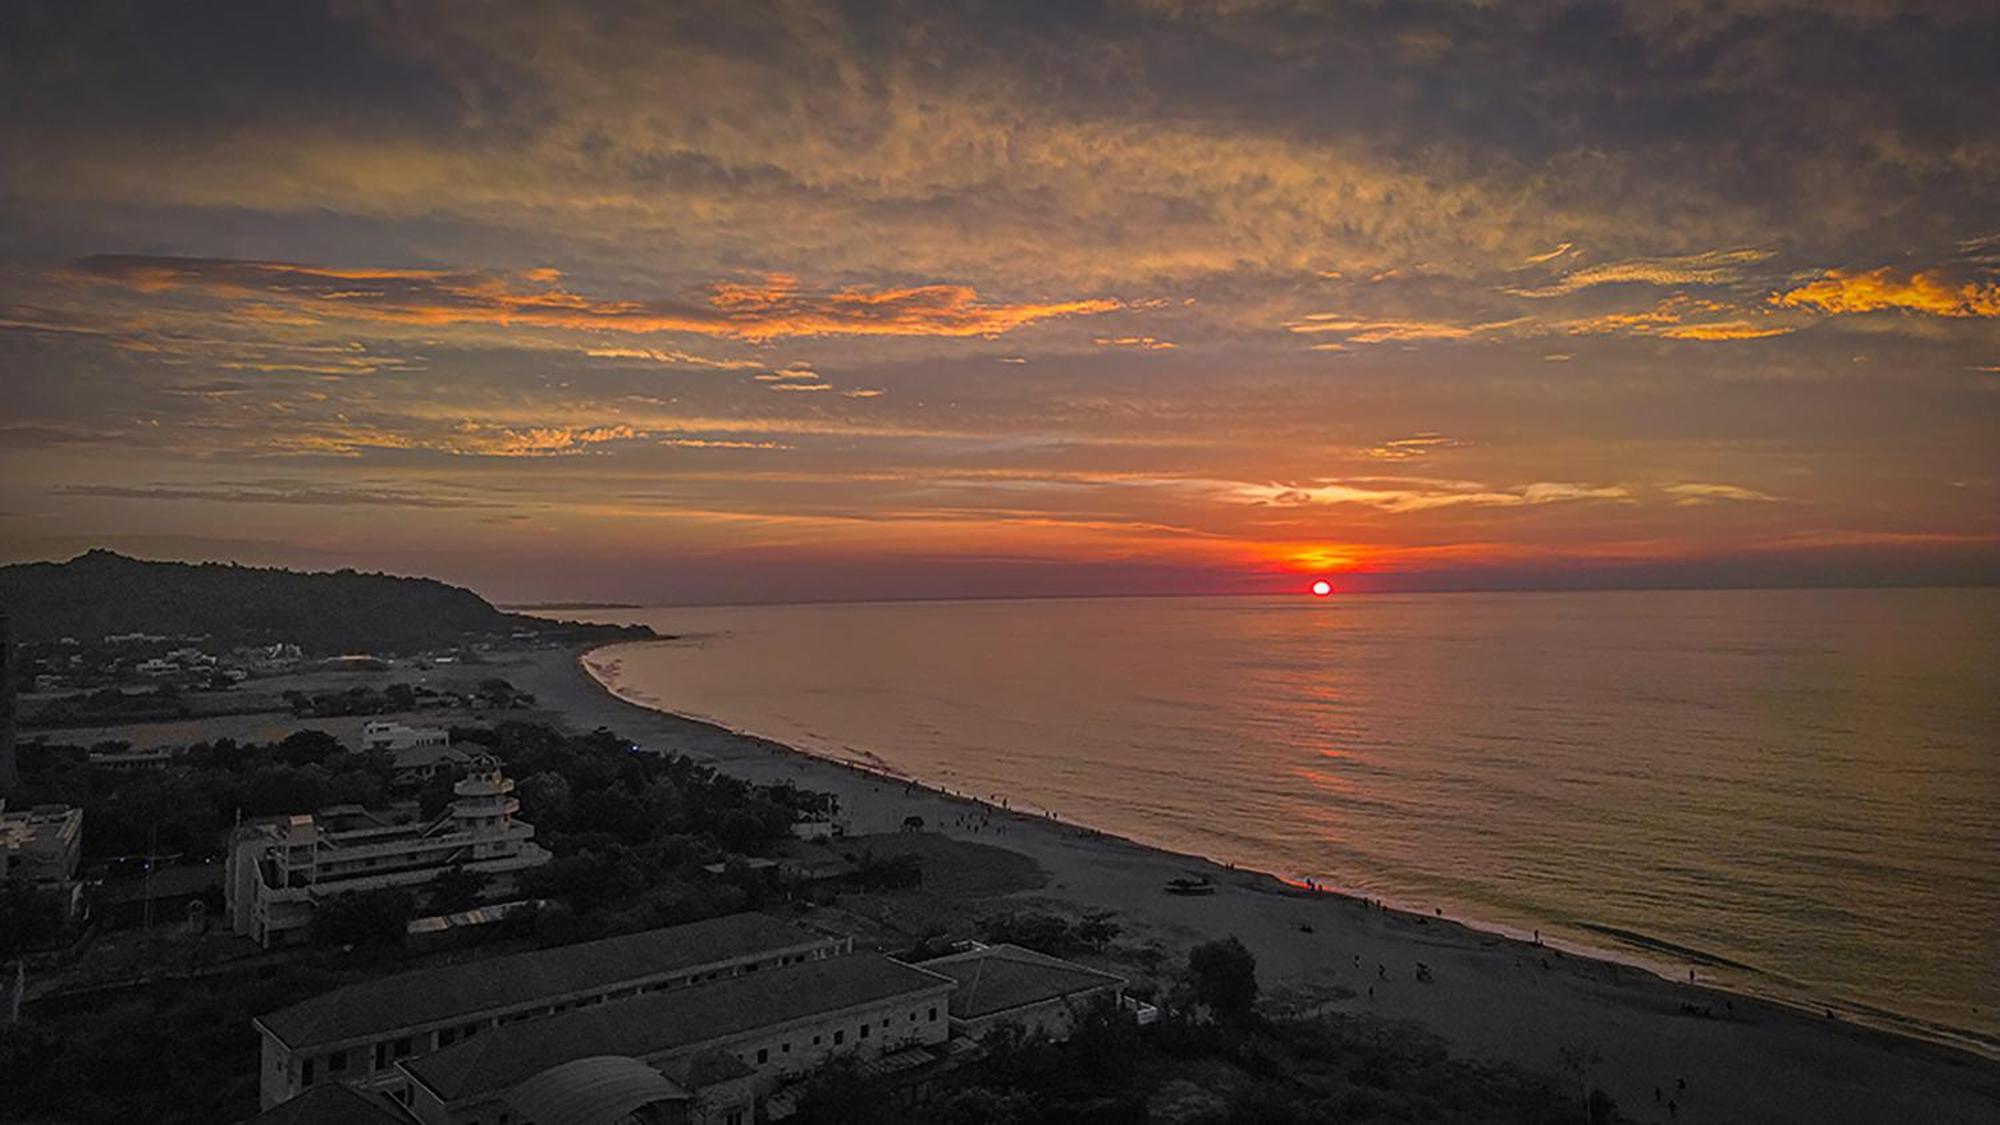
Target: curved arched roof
x=599, y=1090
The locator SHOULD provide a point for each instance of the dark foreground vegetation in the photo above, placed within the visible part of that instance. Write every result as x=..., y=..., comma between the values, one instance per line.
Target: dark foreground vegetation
x=632, y=834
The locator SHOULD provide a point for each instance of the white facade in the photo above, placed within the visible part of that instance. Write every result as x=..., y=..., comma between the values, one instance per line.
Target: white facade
x=381, y=735
x=43, y=846
x=278, y=872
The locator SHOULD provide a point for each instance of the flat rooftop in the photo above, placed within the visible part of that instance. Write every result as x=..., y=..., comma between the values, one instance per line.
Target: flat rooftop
x=662, y=1022
x=466, y=990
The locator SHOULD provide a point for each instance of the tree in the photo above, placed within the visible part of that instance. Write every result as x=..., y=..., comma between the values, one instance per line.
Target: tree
x=366, y=919
x=1097, y=930
x=458, y=889
x=30, y=917
x=545, y=800
x=1223, y=976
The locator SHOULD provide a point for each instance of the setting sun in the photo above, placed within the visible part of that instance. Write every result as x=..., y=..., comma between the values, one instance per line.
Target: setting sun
x=1322, y=588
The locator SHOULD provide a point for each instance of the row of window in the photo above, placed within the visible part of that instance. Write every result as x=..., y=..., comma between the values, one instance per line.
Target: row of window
x=390, y=1050
x=839, y=1036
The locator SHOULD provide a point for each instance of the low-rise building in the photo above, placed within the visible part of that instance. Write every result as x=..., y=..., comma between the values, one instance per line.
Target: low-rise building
x=129, y=759
x=357, y=1034
x=1008, y=984
x=774, y=1025
x=278, y=871
x=43, y=845
x=334, y=1105
x=415, y=765
x=384, y=735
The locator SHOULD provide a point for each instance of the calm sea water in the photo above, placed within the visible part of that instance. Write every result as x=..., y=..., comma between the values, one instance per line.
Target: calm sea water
x=1801, y=785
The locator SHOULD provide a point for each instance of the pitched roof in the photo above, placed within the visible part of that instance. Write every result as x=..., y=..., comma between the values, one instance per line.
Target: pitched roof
x=332, y=1104
x=464, y=990
x=1000, y=977
x=662, y=1022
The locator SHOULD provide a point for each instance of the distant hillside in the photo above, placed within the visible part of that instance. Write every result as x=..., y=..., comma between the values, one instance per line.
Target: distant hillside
x=344, y=611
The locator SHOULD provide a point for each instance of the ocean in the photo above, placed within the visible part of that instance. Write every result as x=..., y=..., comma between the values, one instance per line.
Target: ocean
x=1796, y=792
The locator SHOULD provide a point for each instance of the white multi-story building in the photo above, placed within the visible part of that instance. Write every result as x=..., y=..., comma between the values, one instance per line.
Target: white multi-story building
x=383, y=735
x=43, y=845
x=277, y=872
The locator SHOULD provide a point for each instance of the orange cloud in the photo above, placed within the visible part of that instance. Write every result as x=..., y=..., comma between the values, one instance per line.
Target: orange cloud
x=1936, y=292
x=1723, y=330
x=1146, y=343
x=1666, y=320
x=771, y=308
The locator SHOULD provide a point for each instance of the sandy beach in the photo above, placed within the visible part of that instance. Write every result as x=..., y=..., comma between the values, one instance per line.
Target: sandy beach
x=1490, y=996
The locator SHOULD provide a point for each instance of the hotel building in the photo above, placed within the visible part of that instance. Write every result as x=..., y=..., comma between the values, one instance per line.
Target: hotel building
x=278, y=872
x=42, y=845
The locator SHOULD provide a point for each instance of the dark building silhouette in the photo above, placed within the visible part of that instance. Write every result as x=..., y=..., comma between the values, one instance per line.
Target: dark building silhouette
x=10, y=778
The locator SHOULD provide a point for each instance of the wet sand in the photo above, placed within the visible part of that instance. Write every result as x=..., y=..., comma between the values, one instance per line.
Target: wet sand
x=1489, y=997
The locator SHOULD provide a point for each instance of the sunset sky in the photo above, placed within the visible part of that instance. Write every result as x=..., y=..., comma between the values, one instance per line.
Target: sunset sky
x=723, y=302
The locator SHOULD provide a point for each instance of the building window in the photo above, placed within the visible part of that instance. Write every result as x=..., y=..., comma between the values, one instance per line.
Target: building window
x=306, y=1073
x=933, y=1015
x=864, y=1031
x=381, y=1055
x=763, y=1055
x=336, y=1062
x=839, y=1037
x=402, y=1048
x=471, y=1030
x=885, y=1021
x=735, y=1117
x=815, y=1040
x=784, y=1048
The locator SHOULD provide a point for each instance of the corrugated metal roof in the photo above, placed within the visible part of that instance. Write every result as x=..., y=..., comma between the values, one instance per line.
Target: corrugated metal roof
x=598, y=1090
x=466, y=990
x=663, y=1022
x=1000, y=977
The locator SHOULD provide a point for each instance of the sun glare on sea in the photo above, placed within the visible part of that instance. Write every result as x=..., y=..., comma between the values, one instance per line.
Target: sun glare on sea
x=1322, y=588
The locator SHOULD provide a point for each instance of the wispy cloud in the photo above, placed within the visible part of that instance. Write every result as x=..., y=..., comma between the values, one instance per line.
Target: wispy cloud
x=1713, y=267
x=1144, y=343
x=673, y=358
x=722, y=443
x=315, y=496
x=770, y=308
x=1681, y=317
x=1352, y=330
x=1411, y=448
x=1693, y=493
x=1407, y=495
